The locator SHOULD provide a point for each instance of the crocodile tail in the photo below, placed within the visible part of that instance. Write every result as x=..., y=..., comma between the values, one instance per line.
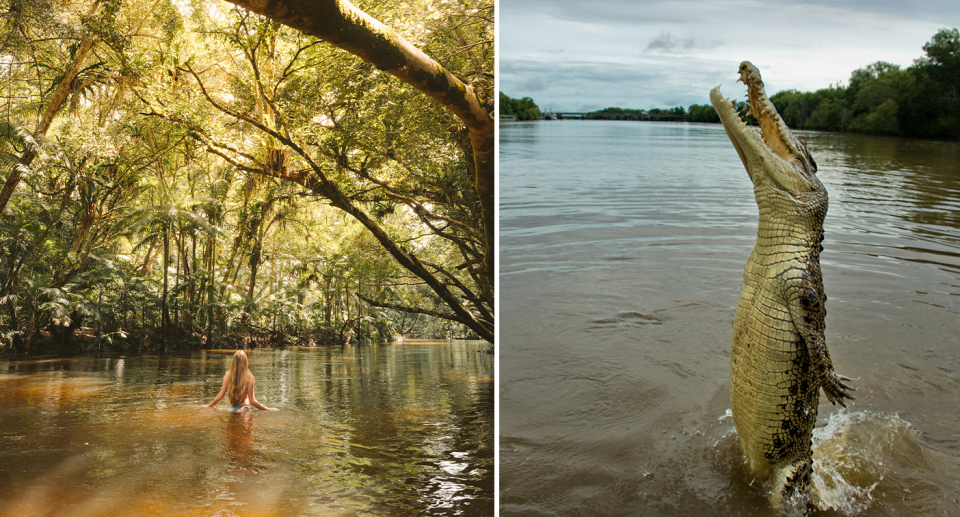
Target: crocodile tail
x=790, y=484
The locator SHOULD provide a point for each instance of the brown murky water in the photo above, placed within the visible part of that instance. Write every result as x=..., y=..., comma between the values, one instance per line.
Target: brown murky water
x=379, y=430
x=622, y=254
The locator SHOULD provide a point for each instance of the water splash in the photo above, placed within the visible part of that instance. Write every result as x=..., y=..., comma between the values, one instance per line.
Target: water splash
x=849, y=453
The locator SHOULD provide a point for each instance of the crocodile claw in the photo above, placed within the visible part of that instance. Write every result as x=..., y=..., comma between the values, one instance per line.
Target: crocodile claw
x=836, y=390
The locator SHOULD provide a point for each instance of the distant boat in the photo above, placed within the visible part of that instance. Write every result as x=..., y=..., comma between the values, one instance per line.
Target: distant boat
x=550, y=116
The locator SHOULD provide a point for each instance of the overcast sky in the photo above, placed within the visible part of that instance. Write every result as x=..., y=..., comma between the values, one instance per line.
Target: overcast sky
x=591, y=54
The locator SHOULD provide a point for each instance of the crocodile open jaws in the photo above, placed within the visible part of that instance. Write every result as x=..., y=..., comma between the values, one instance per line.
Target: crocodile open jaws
x=779, y=359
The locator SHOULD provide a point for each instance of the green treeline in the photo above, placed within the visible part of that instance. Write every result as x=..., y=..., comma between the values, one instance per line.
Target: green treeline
x=677, y=113
x=881, y=98
x=706, y=113
x=522, y=109
x=616, y=114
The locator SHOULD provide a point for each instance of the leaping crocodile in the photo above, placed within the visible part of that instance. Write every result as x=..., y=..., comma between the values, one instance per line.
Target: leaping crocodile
x=779, y=360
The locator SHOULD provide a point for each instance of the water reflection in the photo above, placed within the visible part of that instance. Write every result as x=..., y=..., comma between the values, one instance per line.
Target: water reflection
x=238, y=438
x=383, y=430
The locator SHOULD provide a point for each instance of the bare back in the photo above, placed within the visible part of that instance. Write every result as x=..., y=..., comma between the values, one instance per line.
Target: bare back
x=243, y=397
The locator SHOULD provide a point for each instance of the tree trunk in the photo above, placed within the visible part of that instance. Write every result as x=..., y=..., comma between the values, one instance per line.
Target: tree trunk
x=176, y=286
x=211, y=293
x=13, y=314
x=191, y=294
x=30, y=328
x=327, y=301
x=164, y=313
x=54, y=104
x=150, y=257
x=254, y=268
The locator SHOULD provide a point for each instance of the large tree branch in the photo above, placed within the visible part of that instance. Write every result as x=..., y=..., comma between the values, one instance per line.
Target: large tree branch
x=341, y=24
x=426, y=215
x=478, y=304
x=411, y=310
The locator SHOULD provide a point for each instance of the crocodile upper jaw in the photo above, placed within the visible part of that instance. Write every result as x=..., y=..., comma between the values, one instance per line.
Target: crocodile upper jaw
x=770, y=153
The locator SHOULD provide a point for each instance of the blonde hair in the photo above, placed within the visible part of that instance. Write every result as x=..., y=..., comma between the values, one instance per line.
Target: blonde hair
x=238, y=378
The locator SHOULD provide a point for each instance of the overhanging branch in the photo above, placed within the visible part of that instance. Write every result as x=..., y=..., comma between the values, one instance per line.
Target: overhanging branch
x=412, y=310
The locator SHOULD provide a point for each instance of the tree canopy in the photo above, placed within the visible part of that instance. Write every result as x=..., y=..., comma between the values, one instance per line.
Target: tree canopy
x=882, y=98
x=522, y=109
x=177, y=171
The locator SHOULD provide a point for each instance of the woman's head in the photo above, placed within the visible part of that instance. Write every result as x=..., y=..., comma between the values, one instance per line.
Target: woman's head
x=240, y=361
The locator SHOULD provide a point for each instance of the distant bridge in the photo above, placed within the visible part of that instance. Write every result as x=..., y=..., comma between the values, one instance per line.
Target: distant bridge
x=642, y=115
x=560, y=115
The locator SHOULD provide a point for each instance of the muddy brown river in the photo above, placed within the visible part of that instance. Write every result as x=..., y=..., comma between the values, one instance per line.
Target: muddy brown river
x=395, y=429
x=622, y=254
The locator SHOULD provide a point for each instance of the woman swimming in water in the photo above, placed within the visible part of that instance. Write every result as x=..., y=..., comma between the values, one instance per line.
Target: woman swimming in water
x=239, y=382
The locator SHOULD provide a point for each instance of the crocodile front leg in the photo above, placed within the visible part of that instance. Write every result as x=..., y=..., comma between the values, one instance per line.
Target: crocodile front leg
x=806, y=302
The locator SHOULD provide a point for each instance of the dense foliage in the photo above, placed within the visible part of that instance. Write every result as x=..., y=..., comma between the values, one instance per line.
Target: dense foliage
x=882, y=98
x=522, y=109
x=697, y=113
x=702, y=113
x=617, y=114
x=154, y=158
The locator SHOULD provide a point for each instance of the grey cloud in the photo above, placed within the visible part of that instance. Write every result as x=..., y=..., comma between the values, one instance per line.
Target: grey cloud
x=657, y=82
x=534, y=85
x=613, y=12
x=556, y=73
x=667, y=44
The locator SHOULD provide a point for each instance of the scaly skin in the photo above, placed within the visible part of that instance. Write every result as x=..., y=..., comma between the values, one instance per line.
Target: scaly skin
x=779, y=360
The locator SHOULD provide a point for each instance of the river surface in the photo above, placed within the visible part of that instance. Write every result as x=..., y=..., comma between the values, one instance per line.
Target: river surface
x=621, y=261
x=398, y=429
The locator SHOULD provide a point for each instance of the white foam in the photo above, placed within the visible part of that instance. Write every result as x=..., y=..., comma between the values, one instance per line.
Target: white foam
x=848, y=455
